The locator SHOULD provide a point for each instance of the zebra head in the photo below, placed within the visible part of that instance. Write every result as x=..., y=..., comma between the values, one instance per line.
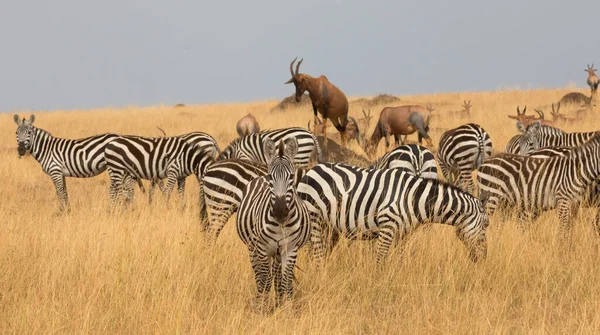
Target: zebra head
x=475, y=233
x=281, y=176
x=24, y=133
x=529, y=140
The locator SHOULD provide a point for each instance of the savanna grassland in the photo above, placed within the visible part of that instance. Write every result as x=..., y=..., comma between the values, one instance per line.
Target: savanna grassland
x=150, y=270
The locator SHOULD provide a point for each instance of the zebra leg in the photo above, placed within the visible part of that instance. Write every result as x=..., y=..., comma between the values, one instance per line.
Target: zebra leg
x=386, y=235
x=116, y=181
x=181, y=190
x=216, y=225
x=288, y=261
x=276, y=272
x=261, y=264
x=203, y=210
x=171, y=180
x=318, y=228
x=128, y=188
x=466, y=181
x=564, y=214
x=477, y=246
x=61, y=191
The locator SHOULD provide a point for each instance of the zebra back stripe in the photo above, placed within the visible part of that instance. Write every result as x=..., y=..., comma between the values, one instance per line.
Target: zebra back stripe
x=413, y=158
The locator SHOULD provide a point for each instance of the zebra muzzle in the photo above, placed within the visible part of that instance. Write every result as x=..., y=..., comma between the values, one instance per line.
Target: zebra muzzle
x=21, y=150
x=280, y=210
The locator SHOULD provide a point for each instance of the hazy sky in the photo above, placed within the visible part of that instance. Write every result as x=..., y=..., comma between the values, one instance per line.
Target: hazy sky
x=67, y=54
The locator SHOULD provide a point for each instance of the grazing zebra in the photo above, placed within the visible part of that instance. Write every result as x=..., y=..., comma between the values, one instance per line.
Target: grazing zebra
x=273, y=222
x=462, y=150
x=60, y=157
x=533, y=185
x=413, y=158
x=194, y=138
x=134, y=158
x=250, y=147
x=526, y=142
x=385, y=204
x=221, y=191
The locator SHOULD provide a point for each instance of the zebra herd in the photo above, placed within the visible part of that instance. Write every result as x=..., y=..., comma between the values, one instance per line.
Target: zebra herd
x=285, y=200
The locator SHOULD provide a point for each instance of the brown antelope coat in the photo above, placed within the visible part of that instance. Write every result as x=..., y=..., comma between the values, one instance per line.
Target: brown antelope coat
x=327, y=99
x=397, y=121
x=592, y=78
x=529, y=119
x=247, y=125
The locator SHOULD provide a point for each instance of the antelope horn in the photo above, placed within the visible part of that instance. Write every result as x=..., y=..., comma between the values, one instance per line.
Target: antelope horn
x=298, y=66
x=518, y=111
x=524, y=110
x=292, y=66
x=540, y=113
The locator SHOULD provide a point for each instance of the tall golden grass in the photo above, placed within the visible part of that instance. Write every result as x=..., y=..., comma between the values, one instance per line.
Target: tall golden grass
x=150, y=270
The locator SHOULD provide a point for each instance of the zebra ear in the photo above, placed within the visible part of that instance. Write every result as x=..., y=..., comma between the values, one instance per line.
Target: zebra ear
x=521, y=127
x=31, y=118
x=534, y=126
x=269, y=148
x=291, y=147
x=17, y=119
x=484, y=197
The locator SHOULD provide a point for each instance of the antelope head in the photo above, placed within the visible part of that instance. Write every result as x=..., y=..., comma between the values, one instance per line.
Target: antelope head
x=521, y=117
x=467, y=107
x=556, y=114
x=298, y=79
x=590, y=69
x=367, y=118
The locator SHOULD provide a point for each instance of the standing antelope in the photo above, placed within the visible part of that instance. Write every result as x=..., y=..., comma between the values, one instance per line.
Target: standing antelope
x=326, y=99
x=592, y=78
x=402, y=120
x=247, y=125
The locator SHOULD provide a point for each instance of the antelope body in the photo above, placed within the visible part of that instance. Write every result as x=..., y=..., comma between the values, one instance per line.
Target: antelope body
x=326, y=98
x=247, y=125
x=574, y=98
x=592, y=78
x=401, y=120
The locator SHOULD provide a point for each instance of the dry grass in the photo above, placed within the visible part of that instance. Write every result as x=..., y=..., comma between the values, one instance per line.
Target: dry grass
x=149, y=269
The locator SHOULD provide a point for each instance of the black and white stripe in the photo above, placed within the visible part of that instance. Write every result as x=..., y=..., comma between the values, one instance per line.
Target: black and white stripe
x=134, y=158
x=60, y=157
x=273, y=222
x=413, y=158
x=534, y=185
x=250, y=147
x=462, y=150
x=526, y=142
x=197, y=138
x=221, y=190
x=386, y=204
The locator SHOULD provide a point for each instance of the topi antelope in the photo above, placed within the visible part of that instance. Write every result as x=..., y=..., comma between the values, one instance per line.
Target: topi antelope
x=402, y=120
x=247, y=125
x=592, y=78
x=326, y=99
x=574, y=98
x=465, y=112
x=560, y=117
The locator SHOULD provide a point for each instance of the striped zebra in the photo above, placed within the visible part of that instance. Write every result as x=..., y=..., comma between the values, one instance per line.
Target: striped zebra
x=194, y=138
x=273, y=222
x=222, y=187
x=60, y=157
x=415, y=159
x=534, y=185
x=250, y=147
x=526, y=142
x=387, y=204
x=462, y=150
x=130, y=158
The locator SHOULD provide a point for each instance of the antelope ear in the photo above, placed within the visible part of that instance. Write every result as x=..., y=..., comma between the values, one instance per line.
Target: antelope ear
x=269, y=148
x=17, y=119
x=512, y=117
x=291, y=147
x=289, y=81
x=31, y=118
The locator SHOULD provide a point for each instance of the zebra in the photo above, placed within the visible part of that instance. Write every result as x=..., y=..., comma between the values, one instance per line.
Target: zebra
x=131, y=158
x=194, y=138
x=533, y=185
x=362, y=203
x=462, y=150
x=416, y=159
x=526, y=142
x=60, y=157
x=273, y=222
x=250, y=147
x=222, y=187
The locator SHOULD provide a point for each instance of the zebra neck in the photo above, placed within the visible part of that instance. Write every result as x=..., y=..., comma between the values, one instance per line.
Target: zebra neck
x=585, y=162
x=41, y=143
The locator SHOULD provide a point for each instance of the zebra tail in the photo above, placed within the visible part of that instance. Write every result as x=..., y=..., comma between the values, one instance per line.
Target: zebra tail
x=480, y=153
x=318, y=150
